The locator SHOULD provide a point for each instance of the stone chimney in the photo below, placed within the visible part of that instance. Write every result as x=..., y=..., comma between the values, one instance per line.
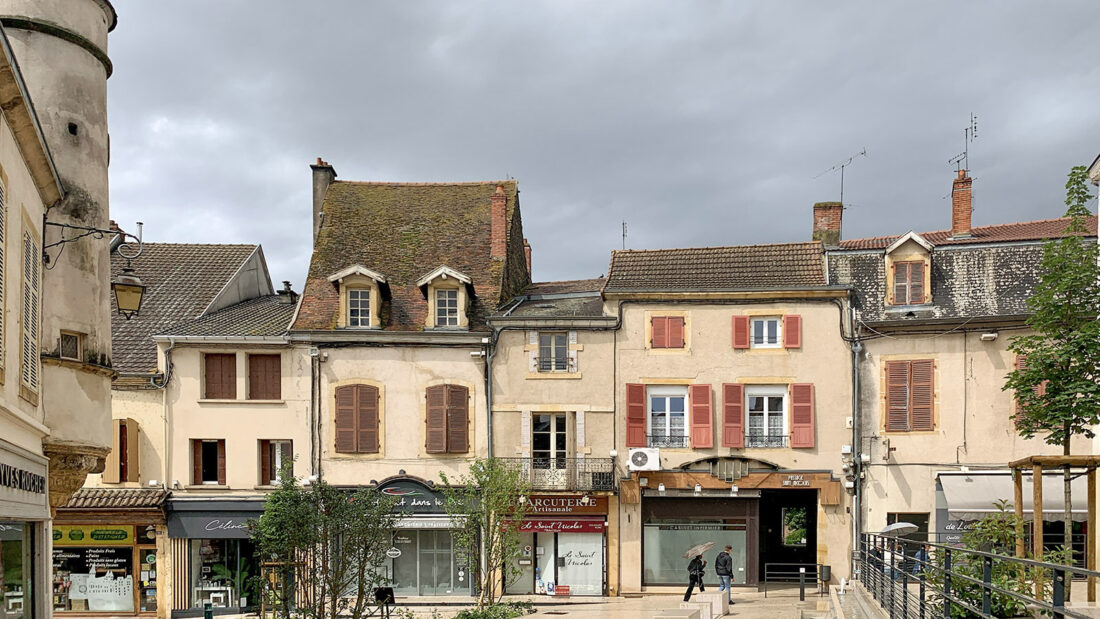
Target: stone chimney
x=961, y=208
x=286, y=295
x=498, y=220
x=323, y=175
x=527, y=255
x=827, y=218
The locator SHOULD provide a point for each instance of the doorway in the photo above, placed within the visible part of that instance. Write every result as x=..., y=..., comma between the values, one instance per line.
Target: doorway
x=549, y=450
x=788, y=530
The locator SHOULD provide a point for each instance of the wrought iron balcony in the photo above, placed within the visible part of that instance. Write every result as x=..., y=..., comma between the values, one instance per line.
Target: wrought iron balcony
x=765, y=440
x=671, y=442
x=581, y=474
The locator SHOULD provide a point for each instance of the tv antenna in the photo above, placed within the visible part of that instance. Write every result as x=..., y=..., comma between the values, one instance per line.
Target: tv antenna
x=840, y=166
x=624, y=235
x=961, y=161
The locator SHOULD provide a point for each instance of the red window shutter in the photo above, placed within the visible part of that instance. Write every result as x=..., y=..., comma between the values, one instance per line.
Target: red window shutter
x=458, y=419
x=802, y=415
x=740, y=331
x=196, y=461
x=221, y=462
x=265, y=463
x=921, y=394
x=635, y=415
x=658, y=332
x=792, y=331
x=733, y=415
x=366, y=407
x=676, y=332
x=897, y=396
x=916, y=282
x=702, y=417
x=346, y=433
x=436, y=420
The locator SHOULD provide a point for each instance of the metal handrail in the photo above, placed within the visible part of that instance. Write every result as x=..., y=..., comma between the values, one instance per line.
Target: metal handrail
x=560, y=473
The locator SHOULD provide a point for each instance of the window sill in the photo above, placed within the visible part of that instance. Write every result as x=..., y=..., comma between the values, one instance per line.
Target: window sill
x=206, y=487
x=668, y=351
x=221, y=401
x=912, y=432
x=776, y=350
x=553, y=375
x=445, y=329
x=909, y=308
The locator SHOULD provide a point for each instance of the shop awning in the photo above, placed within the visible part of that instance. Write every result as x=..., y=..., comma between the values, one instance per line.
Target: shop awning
x=972, y=496
x=211, y=519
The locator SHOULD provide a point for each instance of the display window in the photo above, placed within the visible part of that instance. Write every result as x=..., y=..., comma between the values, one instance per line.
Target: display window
x=664, y=542
x=104, y=568
x=15, y=570
x=222, y=573
x=424, y=562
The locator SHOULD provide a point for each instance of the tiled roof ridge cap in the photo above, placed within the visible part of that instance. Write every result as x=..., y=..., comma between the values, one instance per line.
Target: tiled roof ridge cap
x=164, y=243
x=973, y=230
x=566, y=281
x=428, y=183
x=712, y=247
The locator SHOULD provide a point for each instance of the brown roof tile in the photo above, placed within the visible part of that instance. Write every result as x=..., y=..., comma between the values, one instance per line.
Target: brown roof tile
x=999, y=233
x=566, y=286
x=117, y=498
x=262, y=316
x=181, y=280
x=404, y=230
x=743, y=267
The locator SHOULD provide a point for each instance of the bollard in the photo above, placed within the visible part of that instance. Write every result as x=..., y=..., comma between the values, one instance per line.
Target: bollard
x=207, y=611
x=801, y=584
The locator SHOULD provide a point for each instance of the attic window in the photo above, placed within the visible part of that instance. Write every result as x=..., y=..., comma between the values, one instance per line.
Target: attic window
x=358, y=307
x=70, y=346
x=446, y=308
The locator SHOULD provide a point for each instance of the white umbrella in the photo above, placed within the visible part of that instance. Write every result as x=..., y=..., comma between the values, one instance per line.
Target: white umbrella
x=698, y=549
x=899, y=528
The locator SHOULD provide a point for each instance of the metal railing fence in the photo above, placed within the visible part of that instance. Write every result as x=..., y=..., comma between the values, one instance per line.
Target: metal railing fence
x=554, y=473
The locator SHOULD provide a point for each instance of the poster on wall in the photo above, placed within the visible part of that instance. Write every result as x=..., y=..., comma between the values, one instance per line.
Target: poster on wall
x=93, y=579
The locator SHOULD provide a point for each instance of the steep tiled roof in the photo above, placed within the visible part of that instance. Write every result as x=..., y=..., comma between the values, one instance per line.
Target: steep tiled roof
x=573, y=285
x=267, y=315
x=404, y=230
x=117, y=498
x=999, y=233
x=742, y=267
x=181, y=280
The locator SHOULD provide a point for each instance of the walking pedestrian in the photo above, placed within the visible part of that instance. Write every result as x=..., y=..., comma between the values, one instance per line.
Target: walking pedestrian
x=920, y=560
x=695, y=575
x=723, y=566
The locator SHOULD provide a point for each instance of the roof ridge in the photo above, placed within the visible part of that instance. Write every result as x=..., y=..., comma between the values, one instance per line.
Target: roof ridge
x=428, y=183
x=563, y=281
x=706, y=247
x=947, y=231
x=162, y=243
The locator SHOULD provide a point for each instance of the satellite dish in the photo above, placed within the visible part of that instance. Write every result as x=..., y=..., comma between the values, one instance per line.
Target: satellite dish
x=899, y=528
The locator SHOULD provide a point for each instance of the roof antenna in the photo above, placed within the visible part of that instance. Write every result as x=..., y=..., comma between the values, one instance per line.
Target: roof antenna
x=624, y=235
x=961, y=161
x=840, y=166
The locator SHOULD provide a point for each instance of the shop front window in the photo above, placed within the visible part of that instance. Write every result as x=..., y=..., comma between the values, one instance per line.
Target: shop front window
x=222, y=573
x=664, y=543
x=94, y=568
x=580, y=562
x=15, y=570
x=428, y=564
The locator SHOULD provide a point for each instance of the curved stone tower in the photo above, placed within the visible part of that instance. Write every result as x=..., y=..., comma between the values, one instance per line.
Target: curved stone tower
x=61, y=48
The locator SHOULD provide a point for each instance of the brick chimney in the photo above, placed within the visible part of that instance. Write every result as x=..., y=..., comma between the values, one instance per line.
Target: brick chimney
x=961, y=208
x=323, y=175
x=527, y=255
x=498, y=224
x=827, y=217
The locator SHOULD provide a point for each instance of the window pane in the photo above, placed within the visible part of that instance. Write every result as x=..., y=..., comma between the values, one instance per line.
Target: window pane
x=773, y=331
x=676, y=404
x=756, y=403
x=657, y=404
x=541, y=423
x=775, y=403
x=657, y=423
x=676, y=424
x=758, y=332
x=756, y=423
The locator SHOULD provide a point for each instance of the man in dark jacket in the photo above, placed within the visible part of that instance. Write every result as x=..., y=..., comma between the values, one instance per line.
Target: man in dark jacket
x=723, y=566
x=695, y=575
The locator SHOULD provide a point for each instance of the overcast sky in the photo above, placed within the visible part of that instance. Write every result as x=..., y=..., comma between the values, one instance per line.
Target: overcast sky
x=697, y=123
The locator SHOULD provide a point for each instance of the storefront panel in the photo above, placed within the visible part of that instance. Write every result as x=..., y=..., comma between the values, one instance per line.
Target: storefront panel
x=104, y=568
x=423, y=560
x=16, y=567
x=23, y=484
x=563, y=546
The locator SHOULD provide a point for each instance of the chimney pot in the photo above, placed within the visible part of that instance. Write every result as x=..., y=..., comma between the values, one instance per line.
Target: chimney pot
x=527, y=256
x=827, y=223
x=961, y=206
x=323, y=175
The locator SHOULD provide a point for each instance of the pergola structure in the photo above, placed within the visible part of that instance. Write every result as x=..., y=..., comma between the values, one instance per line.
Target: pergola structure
x=1037, y=464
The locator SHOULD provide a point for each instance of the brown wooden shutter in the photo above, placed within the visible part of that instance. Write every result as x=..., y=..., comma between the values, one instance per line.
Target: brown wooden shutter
x=901, y=283
x=196, y=461
x=435, y=420
x=702, y=417
x=740, y=331
x=131, y=452
x=112, y=467
x=658, y=332
x=265, y=463
x=916, y=282
x=367, y=418
x=264, y=377
x=733, y=415
x=897, y=396
x=676, y=332
x=221, y=462
x=458, y=419
x=635, y=415
x=921, y=394
x=792, y=331
x=346, y=434
x=221, y=376
x=802, y=415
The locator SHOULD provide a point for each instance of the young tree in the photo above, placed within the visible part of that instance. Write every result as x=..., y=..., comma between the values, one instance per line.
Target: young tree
x=329, y=545
x=1057, y=382
x=487, y=507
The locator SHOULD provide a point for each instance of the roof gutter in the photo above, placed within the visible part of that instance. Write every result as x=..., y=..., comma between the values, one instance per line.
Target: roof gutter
x=378, y=336
x=222, y=339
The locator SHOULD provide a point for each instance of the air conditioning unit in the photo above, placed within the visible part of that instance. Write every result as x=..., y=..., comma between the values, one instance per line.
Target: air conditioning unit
x=644, y=459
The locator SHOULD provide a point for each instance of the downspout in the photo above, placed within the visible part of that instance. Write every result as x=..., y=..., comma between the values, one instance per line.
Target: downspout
x=857, y=448
x=314, y=424
x=167, y=468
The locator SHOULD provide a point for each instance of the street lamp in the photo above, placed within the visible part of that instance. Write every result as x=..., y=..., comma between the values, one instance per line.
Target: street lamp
x=128, y=287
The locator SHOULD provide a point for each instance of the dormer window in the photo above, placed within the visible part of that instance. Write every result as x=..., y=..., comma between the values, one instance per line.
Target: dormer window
x=447, y=292
x=909, y=282
x=909, y=271
x=360, y=297
x=446, y=308
x=358, y=307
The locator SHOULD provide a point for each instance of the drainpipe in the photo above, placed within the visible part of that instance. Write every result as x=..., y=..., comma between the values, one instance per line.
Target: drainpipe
x=857, y=452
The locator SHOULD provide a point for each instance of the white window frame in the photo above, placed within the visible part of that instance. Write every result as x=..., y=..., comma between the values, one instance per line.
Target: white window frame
x=764, y=320
x=361, y=301
x=666, y=392
x=552, y=362
x=446, y=308
x=767, y=391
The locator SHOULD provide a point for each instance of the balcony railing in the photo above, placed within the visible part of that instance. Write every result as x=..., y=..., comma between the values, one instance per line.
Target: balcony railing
x=766, y=440
x=555, y=364
x=581, y=474
x=670, y=442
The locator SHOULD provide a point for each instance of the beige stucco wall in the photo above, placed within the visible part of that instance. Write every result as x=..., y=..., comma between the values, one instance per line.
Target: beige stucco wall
x=403, y=373
x=146, y=407
x=241, y=423
x=973, y=425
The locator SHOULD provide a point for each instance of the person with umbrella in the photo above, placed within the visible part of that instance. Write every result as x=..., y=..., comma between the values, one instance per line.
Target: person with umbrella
x=696, y=568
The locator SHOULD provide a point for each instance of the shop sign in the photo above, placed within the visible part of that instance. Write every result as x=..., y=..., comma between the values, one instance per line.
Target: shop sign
x=93, y=535
x=210, y=525
x=393, y=553
x=561, y=590
x=561, y=525
x=413, y=497
x=567, y=504
x=23, y=484
x=795, y=481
